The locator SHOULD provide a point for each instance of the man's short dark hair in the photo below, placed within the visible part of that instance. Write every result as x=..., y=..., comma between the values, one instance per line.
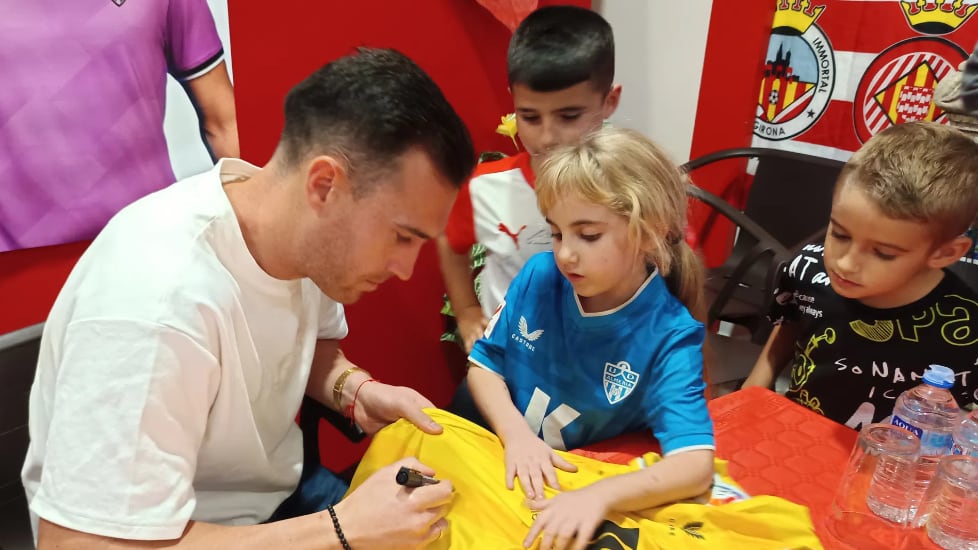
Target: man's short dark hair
x=556, y=47
x=370, y=108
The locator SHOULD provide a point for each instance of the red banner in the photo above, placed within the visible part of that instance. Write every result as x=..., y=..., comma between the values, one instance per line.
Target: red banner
x=839, y=71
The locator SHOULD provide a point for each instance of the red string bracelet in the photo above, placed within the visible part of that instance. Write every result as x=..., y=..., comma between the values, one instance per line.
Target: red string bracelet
x=353, y=403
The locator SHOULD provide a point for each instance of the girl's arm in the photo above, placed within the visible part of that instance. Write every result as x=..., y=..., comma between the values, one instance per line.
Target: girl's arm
x=492, y=398
x=528, y=457
x=570, y=519
x=676, y=477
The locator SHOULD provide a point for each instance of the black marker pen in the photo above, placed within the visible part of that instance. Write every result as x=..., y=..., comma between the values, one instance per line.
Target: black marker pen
x=413, y=478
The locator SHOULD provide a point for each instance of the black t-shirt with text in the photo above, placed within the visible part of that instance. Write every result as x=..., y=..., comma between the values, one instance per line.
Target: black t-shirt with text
x=852, y=361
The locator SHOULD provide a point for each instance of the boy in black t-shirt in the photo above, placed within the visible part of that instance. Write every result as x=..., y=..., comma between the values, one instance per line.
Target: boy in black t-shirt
x=860, y=317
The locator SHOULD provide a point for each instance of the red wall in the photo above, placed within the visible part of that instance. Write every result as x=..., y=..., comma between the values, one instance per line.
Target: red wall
x=736, y=43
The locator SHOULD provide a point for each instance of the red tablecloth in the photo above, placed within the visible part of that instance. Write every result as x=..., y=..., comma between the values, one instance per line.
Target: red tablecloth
x=777, y=447
x=774, y=447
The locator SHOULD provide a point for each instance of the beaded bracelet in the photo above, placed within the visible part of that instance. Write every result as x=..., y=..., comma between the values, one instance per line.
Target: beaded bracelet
x=336, y=527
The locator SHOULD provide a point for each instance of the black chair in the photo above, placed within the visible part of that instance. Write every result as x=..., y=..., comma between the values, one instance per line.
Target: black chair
x=18, y=361
x=311, y=415
x=788, y=204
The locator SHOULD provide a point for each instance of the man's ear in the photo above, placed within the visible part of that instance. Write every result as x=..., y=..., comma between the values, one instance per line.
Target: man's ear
x=611, y=101
x=949, y=252
x=325, y=175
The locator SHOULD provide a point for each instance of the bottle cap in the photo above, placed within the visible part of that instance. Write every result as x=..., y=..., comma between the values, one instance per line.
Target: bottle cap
x=939, y=376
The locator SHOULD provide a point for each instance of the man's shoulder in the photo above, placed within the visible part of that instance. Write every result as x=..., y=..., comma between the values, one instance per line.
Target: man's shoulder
x=148, y=257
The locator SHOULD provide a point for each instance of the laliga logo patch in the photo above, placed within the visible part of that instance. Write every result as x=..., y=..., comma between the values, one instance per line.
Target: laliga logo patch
x=898, y=86
x=494, y=319
x=619, y=381
x=937, y=16
x=799, y=75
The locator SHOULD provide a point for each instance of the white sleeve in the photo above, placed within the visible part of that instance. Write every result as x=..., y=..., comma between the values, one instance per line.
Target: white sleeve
x=332, y=319
x=131, y=411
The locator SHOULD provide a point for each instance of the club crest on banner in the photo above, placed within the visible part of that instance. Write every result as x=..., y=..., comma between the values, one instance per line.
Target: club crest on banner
x=799, y=72
x=619, y=381
x=937, y=16
x=898, y=85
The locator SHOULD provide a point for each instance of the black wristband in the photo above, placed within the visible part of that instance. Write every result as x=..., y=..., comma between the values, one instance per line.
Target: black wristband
x=337, y=528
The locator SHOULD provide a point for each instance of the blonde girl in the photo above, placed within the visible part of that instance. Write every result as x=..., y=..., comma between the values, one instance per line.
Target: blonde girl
x=596, y=338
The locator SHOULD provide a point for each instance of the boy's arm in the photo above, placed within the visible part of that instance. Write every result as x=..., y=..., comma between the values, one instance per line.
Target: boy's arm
x=778, y=350
x=457, y=271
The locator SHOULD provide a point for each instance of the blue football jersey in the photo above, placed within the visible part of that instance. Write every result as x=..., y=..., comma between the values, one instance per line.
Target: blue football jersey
x=579, y=378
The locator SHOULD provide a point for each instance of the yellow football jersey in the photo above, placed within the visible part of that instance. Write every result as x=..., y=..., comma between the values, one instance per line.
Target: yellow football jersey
x=484, y=514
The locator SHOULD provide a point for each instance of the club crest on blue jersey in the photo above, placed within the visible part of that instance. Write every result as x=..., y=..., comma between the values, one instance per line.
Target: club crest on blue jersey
x=619, y=381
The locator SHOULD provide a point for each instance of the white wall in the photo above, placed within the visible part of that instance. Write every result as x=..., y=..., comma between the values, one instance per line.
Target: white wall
x=659, y=49
x=187, y=153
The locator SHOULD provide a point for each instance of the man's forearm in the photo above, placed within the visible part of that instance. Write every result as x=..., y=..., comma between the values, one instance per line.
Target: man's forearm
x=312, y=532
x=329, y=365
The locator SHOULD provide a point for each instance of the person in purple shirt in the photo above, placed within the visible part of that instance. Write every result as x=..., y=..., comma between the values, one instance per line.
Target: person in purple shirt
x=82, y=105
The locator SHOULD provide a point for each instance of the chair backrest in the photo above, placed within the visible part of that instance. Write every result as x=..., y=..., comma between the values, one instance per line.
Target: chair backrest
x=791, y=196
x=18, y=360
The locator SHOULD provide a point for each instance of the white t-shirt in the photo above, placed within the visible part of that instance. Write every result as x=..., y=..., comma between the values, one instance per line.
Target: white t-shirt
x=170, y=373
x=497, y=208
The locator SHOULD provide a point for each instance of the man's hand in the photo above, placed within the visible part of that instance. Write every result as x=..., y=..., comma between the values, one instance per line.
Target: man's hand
x=532, y=461
x=567, y=520
x=378, y=405
x=382, y=514
x=471, y=325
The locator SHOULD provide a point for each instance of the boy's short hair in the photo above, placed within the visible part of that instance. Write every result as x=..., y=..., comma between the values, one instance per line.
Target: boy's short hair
x=556, y=47
x=921, y=171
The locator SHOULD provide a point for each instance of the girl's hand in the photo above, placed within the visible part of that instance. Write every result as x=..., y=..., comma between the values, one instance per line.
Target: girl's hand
x=568, y=520
x=531, y=460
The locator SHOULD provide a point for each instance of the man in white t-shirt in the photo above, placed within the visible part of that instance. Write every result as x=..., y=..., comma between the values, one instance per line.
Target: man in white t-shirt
x=176, y=356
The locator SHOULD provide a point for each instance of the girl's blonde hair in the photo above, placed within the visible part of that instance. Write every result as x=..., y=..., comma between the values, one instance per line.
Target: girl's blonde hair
x=626, y=172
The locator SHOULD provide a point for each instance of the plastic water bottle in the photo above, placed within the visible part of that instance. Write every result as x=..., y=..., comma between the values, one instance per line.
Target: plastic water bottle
x=966, y=435
x=953, y=506
x=930, y=412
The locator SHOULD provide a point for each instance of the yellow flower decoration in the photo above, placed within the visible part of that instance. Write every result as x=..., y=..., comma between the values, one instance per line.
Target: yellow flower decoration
x=507, y=127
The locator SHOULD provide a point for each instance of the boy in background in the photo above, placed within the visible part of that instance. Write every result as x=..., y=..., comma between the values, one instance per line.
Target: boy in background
x=561, y=65
x=861, y=316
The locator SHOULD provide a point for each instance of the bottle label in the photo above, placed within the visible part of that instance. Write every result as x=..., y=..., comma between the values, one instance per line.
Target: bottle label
x=932, y=443
x=897, y=421
x=957, y=450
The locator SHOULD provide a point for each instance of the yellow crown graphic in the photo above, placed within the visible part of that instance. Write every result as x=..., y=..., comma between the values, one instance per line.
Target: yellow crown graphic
x=797, y=14
x=937, y=16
